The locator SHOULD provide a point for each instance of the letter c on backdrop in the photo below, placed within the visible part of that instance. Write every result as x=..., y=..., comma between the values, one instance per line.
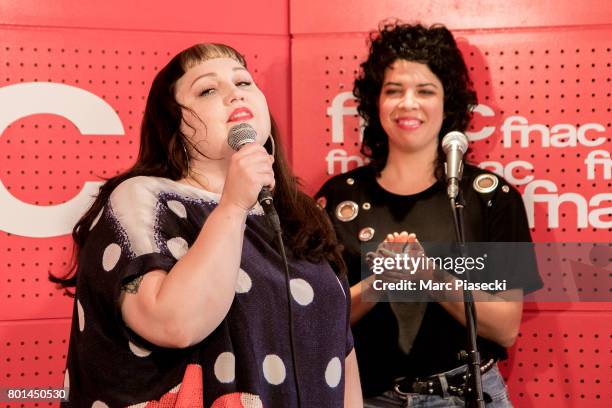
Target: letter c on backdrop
x=90, y=114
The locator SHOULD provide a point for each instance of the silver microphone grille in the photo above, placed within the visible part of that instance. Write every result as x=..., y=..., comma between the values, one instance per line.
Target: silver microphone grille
x=455, y=139
x=240, y=135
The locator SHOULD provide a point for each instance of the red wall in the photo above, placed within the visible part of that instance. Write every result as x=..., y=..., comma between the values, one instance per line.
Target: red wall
x=73, y=79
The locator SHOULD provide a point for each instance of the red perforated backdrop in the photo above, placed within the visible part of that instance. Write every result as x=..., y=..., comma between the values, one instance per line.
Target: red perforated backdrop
x=73, y=79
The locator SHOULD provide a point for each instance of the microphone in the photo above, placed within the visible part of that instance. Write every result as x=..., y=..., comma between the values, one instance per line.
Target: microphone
x=238, y=136
x=454, y=145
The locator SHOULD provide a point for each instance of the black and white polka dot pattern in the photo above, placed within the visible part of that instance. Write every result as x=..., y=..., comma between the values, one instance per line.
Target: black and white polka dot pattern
x=150, y=223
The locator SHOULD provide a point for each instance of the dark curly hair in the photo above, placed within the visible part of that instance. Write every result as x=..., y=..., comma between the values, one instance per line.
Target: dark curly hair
x=434, y=46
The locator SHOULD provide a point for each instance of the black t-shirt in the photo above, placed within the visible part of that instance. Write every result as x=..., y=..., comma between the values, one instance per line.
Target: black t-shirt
x=498, y=216
x=149, y=223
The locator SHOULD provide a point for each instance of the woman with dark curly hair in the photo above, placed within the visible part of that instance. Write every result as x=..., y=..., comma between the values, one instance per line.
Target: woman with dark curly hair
x=413, y=89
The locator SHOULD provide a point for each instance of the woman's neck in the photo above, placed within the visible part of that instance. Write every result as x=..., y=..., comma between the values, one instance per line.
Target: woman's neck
x=207, y=175
x=408, y=173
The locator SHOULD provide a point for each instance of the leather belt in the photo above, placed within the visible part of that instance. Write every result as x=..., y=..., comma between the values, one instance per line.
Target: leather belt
x=438, y=384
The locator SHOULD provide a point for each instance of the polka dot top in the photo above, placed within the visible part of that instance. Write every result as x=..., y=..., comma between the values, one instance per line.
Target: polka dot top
x=149, y=223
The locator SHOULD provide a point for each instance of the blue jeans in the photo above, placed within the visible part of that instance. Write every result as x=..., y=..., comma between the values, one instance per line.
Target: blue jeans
x=492, y=383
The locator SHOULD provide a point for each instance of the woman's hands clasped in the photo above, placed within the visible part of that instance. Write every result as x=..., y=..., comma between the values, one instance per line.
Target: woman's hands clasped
x=400, y=257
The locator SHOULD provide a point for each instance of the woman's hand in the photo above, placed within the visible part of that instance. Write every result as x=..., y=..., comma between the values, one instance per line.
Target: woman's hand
x=250, y=169
x=363, y=294
x=406, y=250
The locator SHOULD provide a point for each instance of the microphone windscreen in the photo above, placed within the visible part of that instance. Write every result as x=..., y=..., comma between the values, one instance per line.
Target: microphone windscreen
x=240, y=135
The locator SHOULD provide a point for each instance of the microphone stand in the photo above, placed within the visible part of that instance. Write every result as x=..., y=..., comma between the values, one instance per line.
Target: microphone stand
x=473, y=388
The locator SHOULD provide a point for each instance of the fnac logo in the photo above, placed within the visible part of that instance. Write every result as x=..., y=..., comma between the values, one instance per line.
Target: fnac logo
x=517, y=131
x=90, y=114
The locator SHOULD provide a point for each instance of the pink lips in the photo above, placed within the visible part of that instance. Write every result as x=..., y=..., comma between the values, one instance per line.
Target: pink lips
x=240, y=114
x=408, y=123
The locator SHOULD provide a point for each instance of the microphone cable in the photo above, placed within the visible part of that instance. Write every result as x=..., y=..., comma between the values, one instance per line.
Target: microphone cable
x=281, y=247
x=240, y=135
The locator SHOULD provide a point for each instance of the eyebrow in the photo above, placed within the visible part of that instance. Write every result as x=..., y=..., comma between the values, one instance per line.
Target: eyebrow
x=212, y=74
x=423, y=84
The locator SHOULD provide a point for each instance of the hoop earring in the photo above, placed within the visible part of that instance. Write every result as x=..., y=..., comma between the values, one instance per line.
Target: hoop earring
x=271, y=139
